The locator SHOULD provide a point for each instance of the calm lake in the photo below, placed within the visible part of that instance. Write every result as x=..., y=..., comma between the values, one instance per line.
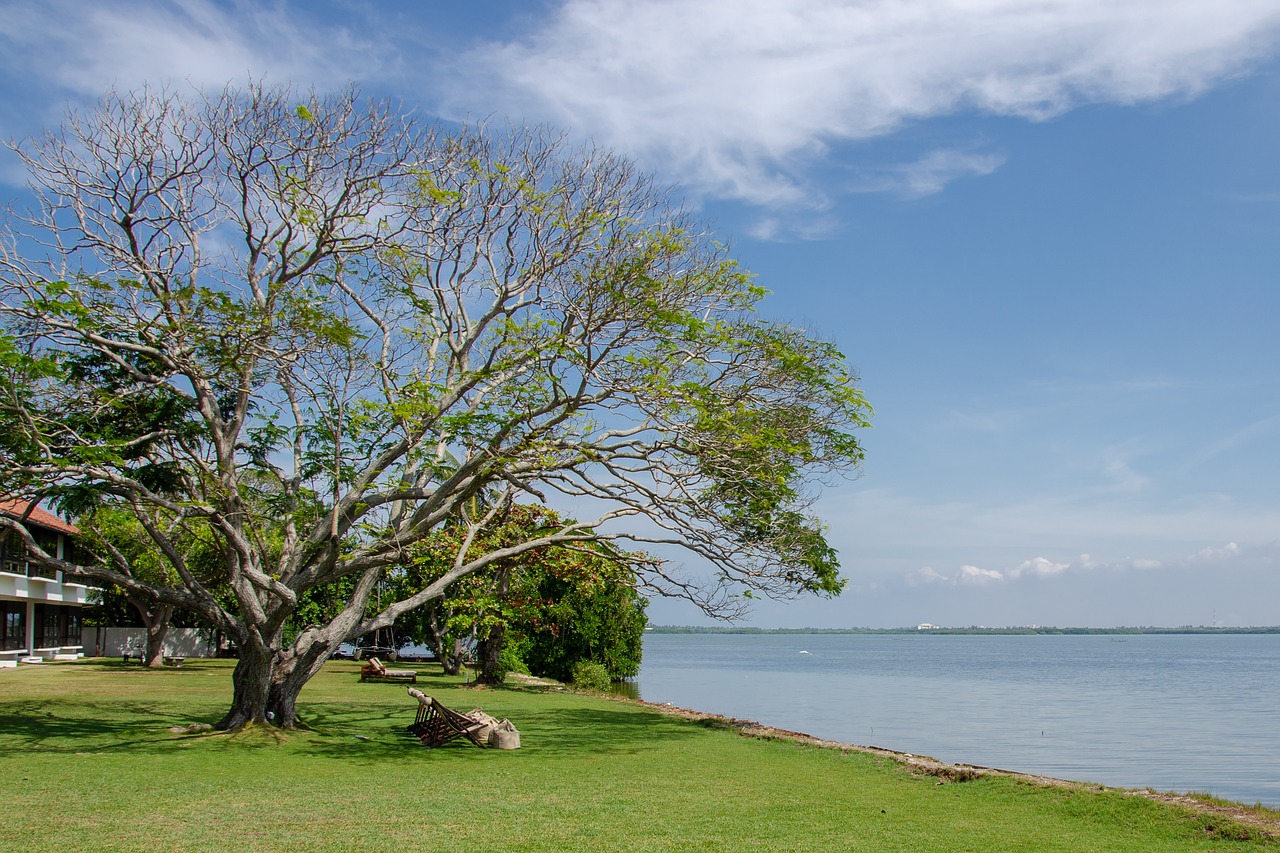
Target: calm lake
x=1171, y=712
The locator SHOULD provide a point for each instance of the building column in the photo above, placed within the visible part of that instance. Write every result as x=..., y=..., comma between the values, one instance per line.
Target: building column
x=30, y=640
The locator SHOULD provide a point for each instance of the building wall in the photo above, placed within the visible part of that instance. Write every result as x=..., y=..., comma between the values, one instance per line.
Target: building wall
x=179, y=642
x=28, y=588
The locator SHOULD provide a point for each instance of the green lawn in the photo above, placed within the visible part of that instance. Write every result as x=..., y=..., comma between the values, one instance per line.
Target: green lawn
x=90, y=763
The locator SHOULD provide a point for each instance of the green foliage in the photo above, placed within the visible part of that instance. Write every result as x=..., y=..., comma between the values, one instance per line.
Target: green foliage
x=602, y=621
x=556, y=605
x=318, y=605
x=509, y=660
x=115, y=534
x=589, y=675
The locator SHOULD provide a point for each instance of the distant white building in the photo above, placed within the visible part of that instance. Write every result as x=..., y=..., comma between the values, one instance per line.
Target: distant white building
x=39, y=611
x=925, y=626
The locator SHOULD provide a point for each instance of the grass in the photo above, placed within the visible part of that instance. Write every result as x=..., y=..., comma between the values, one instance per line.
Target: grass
x=89, y=761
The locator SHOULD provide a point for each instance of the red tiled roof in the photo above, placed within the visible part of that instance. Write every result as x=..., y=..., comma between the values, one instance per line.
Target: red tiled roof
x=15, y=507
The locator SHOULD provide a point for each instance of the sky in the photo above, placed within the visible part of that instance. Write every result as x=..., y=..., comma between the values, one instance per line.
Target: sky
x=1046, y=234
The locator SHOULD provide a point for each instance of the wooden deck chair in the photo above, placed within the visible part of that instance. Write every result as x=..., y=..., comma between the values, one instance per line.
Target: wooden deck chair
x=375, y=670
x=436, y=725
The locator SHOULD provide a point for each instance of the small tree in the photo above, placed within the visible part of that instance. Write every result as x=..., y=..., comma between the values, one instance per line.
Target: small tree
x=126, y=548
x=323, y=294
x=598, y=618
x=550, y=607
x=119, y=542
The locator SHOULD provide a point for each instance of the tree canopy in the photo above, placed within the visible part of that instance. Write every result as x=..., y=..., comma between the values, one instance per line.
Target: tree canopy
x=314, y=329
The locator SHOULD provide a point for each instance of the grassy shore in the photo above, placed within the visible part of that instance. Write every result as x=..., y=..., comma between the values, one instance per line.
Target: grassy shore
x=90, y=761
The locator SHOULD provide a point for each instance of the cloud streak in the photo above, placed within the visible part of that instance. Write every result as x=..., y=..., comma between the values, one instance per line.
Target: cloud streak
x=1209, y=559
x=740, y=98
x=85, y=49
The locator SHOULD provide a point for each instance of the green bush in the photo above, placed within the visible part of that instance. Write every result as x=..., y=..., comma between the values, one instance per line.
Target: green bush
x=590, y=675
x=602, y=622
x=509, y=660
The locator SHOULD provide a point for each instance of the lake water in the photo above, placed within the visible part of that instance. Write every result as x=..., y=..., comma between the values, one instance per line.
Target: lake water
x=1170, y=712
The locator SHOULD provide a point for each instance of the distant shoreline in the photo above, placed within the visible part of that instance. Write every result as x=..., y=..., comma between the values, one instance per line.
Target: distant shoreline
x=1123, y=631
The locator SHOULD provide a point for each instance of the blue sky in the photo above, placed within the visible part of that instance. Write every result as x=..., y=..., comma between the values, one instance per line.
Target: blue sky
x=1046, y=233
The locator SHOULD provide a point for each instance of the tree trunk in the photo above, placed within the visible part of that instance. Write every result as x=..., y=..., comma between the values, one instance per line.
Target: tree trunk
x=490, y=654
x=155, y=618
x=450, y=659
x=454, y=660
x=157, y=625
x=293, y=669
x=251, y=683
x=490, y=651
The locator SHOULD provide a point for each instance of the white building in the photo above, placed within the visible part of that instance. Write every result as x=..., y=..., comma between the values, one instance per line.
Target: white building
x=39, y=611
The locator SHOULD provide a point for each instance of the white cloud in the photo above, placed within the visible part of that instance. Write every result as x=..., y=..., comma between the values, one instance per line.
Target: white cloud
x=741, y=97
x=89, y=48
x=931, y=173
x=926, y=575
x=975, y=575
x=1040, y=567
x=1006, y=529
x=1213, y=558
x=1230, y=551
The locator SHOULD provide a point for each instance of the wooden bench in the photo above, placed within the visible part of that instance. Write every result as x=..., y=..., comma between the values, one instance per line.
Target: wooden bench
x=374, y=670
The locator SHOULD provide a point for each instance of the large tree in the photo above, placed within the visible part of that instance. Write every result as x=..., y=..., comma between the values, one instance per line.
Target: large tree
x=333, y=302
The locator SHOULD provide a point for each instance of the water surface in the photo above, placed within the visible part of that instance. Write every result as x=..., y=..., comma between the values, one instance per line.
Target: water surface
x=1171, y=712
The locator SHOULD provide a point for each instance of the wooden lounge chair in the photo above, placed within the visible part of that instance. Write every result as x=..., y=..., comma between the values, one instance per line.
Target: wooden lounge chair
x=436, y=725
x=374, y=670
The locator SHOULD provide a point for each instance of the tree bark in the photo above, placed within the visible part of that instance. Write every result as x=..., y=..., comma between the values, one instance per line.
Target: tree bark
x=251, y=685
x=157, y=630
x=292, y=671
x=490, y=654
x=155, y=618
x=451, y=659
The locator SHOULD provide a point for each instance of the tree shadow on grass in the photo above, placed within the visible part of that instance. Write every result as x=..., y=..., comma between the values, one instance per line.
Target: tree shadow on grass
x=122, y=726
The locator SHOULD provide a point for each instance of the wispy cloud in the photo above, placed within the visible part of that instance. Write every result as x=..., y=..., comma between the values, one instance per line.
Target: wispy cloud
x=1118, y=465
x=1214, y=558
x=931, y=173
x=1237, y=437
x=739, y=98
x=87, y=48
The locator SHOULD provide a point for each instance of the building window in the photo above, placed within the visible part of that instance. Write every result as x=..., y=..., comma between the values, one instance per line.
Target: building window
x=13, y=554
x=13, y=625
x=57, y=626
x=48, y=543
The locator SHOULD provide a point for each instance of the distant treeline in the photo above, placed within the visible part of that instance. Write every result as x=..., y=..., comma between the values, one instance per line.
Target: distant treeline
x=1185, y=629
